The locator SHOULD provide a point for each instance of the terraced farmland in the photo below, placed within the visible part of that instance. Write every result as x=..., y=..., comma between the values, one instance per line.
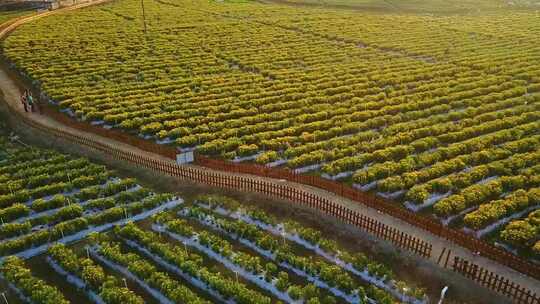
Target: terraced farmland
x=440, y=113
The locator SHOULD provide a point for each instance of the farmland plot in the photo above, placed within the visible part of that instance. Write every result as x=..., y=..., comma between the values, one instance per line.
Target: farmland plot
x=440, y=113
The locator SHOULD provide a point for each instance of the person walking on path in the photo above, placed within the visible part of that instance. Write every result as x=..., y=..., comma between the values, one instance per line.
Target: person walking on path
x=24, y=98
x=30, y=100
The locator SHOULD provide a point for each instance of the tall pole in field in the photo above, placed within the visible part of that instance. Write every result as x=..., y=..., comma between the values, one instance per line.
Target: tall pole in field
x=144, y=16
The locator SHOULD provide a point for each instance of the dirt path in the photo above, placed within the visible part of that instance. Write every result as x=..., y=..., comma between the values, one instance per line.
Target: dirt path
x=12, y=92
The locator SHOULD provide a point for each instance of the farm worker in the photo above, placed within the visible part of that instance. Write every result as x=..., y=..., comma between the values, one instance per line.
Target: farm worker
x=23, y=100
x=30, y=99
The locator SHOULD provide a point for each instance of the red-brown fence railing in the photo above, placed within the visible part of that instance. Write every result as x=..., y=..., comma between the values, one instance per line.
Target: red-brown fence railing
x=117, y=135
x=465, y=240
x=284, y=191
x=498, y=283
x=278, y=190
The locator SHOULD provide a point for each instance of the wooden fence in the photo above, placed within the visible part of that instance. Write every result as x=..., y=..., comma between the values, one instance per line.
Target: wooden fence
x=495, y=282
x=465, y=240
x=117, y=135
x=283, y=191
x=273, y=189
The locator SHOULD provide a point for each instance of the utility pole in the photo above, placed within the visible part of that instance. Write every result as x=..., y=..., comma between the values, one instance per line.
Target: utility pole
x=144, y=16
